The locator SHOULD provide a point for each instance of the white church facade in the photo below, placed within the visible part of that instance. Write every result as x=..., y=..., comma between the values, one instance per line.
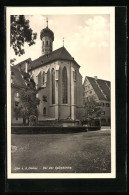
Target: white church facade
x=58, y=81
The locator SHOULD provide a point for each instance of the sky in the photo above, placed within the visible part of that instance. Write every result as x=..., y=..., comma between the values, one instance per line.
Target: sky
x=86, y=38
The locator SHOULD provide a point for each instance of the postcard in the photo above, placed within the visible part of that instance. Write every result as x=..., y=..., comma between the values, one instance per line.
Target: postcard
x=60, y=92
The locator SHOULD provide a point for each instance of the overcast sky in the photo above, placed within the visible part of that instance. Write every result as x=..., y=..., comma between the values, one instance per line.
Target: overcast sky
x=86, y=37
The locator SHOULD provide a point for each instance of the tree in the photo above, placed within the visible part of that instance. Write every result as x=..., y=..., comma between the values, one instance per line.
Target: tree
x=21, y=33
x=28, y=102
x=92, y=108
x=12, y=61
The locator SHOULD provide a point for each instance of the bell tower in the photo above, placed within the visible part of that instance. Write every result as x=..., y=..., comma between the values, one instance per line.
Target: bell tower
x=47, y=38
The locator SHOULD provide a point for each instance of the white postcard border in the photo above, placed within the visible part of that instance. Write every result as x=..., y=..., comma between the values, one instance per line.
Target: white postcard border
x=59, y=11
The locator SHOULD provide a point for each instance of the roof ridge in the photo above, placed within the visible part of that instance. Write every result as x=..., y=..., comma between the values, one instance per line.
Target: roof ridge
x=98, y=79
x=58, y=54
x=23, y=61
x=99, y=93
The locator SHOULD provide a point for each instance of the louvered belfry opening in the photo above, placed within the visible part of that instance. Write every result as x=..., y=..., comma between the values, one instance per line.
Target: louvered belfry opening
x=64, y=86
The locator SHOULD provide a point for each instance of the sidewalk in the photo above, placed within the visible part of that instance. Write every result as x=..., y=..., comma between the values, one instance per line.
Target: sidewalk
x=105, y=128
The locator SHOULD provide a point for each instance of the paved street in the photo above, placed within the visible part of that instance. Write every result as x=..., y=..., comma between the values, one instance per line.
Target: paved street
x=84, y=152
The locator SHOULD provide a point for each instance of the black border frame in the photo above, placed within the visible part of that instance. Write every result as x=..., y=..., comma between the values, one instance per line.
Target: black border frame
x=73, y=185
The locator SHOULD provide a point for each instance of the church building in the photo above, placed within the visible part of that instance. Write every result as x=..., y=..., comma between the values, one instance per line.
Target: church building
x=58, y=81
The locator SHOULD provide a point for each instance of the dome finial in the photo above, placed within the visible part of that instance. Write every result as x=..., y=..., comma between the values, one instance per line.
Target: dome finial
x=47, y=22
x=63, y=41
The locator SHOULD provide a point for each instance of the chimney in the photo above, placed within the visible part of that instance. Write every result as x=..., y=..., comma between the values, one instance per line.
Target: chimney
x=95, y=77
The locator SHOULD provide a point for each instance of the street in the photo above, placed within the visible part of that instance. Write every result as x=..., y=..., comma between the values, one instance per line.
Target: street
x=84, y=152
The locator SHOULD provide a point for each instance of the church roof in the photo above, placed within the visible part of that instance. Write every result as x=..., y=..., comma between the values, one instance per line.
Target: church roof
x=101, y=88
x=59, y=54
x=23, y=62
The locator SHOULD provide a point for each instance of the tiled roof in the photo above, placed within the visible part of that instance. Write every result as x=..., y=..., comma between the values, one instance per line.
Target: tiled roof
x=16, y=76
x=21, y=63
x=59, y=54
x=104, y=87
x=26, y=75
x=101, y=88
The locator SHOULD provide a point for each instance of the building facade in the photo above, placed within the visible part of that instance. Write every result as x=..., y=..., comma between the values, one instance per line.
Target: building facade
x=19, y=81
x=58, y=81
x=100, y=90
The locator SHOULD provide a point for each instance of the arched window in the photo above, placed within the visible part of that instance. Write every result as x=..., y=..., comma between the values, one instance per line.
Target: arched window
x=43, y=77
x=75, y=78
x=39, y=80
x=74, y=75
x=64, y=86
x=53, y=86
x=44, y=111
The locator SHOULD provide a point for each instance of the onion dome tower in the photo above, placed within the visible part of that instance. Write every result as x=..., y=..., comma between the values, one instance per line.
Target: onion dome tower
x=47, y=38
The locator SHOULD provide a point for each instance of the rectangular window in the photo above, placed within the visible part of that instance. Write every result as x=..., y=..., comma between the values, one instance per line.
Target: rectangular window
x=102, y=104
x=12, y=73
x=102, y=112
x=109, y=120
x=44, y=98
x=103, y=120
x=107, y=105
x=16, y=103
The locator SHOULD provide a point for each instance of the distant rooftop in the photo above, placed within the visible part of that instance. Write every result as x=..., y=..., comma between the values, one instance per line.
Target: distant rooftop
x=101, y=88
x=23, y=62
x=18, y=77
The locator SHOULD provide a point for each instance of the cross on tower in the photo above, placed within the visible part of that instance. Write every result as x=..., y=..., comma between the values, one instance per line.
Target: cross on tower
x=47, y=21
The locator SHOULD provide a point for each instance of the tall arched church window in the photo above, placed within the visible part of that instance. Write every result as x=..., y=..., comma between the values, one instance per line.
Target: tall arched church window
x=44, y=111
x=43, y=77
x=64, y=86
x=53, y=86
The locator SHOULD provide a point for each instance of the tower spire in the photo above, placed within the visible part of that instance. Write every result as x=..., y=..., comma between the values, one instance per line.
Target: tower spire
x=47, y=21
x=63, y=41
x=47, y=38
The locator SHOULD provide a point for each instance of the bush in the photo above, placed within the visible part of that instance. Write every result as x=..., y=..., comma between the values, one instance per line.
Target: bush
x=32, y=120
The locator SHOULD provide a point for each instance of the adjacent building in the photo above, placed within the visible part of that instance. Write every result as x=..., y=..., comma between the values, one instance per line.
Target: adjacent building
x=100, y=90
x=19, y=80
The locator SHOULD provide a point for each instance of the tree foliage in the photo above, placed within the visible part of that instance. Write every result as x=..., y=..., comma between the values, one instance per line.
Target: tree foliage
x=21, y=33
x=28, y=101
x=12, y=61
x=92, y=108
